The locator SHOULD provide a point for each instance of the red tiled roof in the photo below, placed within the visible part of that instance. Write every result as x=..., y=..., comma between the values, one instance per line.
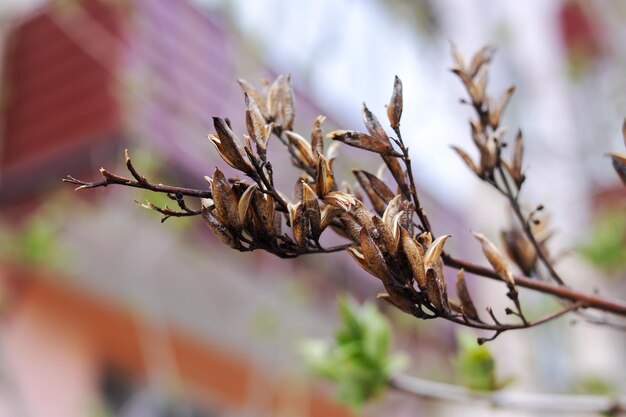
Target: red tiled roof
x=59, y=102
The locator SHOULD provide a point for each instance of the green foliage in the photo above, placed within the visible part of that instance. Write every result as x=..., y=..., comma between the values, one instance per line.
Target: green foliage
x=593, y=385
x=359, y=360
x=607, y=246
x=475, y=366
x=34, y=243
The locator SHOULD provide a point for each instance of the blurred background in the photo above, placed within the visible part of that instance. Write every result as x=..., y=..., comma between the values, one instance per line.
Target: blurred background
x=104, y=311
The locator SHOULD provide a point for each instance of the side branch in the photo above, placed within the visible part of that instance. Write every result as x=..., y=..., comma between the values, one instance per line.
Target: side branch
x=139, y=182
x=587, y=300
x=509, y=399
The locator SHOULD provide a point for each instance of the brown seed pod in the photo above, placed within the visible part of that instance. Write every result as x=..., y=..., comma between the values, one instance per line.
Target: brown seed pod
x=351, y=228
x=495, y=112
x=402, y=303
x=302, y=149
x=329, y=213
x=340, y=200
x=360, y=140
x=374, y=257
x=357, y=255
x=264, y=210
x=256, y=125
x=518, y=155
x=288, y=107
x=394, y=109
x=467, y=159
x=495, y=258
x=375, y=129
x=243, y=207
x=520, y=250
x=436, y=288
x=259, y=100
x=317, y=137
x=385, y=236
x=225, y=200
x=218, y=228
x=415, y=256
x=433, y=253
x=397, y=172
x=324, y=181
x=377, y=202
x=299, y=223
x=312, y=211
x=229, y=147
x=466, y=300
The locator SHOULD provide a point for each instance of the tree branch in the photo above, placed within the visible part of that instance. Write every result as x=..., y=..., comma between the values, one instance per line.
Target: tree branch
x=508, y=399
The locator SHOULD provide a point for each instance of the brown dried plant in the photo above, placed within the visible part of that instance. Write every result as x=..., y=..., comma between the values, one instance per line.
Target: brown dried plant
x=391, y=237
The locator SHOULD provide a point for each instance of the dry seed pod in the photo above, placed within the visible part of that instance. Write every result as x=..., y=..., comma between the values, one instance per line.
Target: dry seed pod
x=459, y=61
x=360, y=140
x=362, y=215
x=317, y=137
x=488, y=155
x=386, y=236
x=393, y=207
x=225, y=200
x=256, y=96
x=467, y=159
x=360, y=259
x=520, y=250
x=274, y=102
x=374, y=257
x=328, y=214
x=298, y=223
x=229, y=147
x=302, y=149
x=218, y=228
x=394, y=109
x=480, y=58
x=378, y=203
x=425, y=239
x=402, y=303
x=312, y=211
x=244, y=202
x=480, y=91
x=495, y=112
x=436, y=288
x=257, y=128
x=518, y=155
x=324, y=181
x=415, y=256
x=340, y=200
x=466, y=301
x=375, y=129
x=433, y=253
x=288, y=108
x=379, y=187
x=351, y=228
x=495, y=258
x=395, y=226
x=397, y=172
x=264, y=210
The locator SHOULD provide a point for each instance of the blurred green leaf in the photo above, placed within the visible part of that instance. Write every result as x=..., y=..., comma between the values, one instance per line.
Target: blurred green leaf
x=475, y=366
x=606, y=247
x=359, y=358
x=593, y=385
